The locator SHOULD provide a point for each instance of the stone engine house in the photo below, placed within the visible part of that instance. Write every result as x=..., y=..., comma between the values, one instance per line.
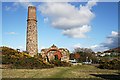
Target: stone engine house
x=55, y=53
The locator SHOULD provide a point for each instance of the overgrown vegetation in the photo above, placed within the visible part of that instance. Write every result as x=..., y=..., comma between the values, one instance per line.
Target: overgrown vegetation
x=86, y=55
x=60, y=63
x=113, y=64
x=21, y=59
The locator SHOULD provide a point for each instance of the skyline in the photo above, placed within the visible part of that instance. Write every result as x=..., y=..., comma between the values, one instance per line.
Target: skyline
x=89, y=25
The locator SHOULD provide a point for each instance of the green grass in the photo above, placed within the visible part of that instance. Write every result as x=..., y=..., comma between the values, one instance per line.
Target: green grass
x=81, y=71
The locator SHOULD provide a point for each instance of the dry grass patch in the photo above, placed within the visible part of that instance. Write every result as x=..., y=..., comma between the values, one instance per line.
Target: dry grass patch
x=81, y=71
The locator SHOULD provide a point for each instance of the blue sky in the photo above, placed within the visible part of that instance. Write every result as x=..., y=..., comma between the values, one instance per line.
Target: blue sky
x=101, y=22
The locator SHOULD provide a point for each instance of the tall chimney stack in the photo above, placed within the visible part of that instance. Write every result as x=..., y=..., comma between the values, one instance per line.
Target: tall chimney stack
x=32, y=43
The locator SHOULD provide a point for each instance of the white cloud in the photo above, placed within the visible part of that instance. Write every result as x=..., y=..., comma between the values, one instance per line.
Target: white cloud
x=40, y=48
x=24, y=4
x=7, y=46
x=113, y=33
x=110, y=42
x=97, y=48
x=91, y=3
x=68, y=17
x=77, y=32
x=76, y=45
x=16, y=5
x=64, y=15
x=46, y=20
x=12, y=33
x=7, y=8
x=11, y=8
x=22, y=48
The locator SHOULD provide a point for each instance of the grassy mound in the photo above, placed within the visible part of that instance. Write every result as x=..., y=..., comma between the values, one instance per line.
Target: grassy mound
x=22, y=60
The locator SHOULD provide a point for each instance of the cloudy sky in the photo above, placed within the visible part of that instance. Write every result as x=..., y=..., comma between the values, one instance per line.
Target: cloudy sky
x=91, y=24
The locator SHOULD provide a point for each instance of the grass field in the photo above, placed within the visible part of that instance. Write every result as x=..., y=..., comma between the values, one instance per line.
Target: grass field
x=81, y=71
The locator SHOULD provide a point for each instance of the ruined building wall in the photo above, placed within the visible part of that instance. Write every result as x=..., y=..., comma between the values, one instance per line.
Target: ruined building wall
x=31, y=42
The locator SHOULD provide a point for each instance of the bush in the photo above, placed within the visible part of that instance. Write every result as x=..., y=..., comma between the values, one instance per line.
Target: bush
x=113, y=64
x=22, y=60
x=31, y=63
x=60, y=63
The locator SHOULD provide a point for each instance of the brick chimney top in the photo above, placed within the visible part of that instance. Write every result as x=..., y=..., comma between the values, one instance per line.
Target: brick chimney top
x=32, y=13
x=31, y=7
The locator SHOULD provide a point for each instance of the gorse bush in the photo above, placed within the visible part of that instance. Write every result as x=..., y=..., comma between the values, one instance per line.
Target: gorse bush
x=22, y=60
x=113, y=64
x=11, y=56
x=32, y=63
x=60, y=63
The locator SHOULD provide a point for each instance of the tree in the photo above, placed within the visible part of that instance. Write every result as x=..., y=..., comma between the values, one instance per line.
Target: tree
x=85, y=50
x=85, y=53
x=77, y=57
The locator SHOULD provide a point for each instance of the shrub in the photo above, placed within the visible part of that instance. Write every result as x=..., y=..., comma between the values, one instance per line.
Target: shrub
x=22, y=60
x=60, y=63
x=31, y=63
x=113, y=64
